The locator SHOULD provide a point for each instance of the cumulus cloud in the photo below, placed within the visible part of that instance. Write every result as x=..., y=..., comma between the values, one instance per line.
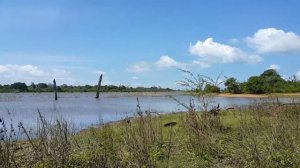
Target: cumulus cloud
x=274, y=66
x=22, y=70
x=139, y=67
x=10, y=73
x=210, y=52
x=272, y=40
x=168, y=62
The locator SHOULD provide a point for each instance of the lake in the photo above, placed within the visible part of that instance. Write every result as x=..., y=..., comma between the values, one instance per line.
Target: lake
x=83, y=110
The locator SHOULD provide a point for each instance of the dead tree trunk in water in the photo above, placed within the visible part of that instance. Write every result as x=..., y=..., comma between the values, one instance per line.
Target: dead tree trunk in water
x=55, y=89
x=98, y=88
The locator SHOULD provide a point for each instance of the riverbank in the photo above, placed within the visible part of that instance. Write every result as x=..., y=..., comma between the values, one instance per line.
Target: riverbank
x=243, y=95
x=251, y=136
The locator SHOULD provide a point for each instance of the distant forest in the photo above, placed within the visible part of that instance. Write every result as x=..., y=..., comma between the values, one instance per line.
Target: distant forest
x=43, y=87
x=267, y=82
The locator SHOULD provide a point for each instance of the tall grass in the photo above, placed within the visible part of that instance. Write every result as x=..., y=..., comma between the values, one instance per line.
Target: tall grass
x=8, y=145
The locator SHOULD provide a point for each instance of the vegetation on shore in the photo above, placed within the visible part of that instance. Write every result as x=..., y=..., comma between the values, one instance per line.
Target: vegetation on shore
x=43, y=87
x=267, y=82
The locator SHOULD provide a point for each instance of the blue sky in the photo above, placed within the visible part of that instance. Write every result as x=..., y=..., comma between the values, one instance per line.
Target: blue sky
x=144, y=42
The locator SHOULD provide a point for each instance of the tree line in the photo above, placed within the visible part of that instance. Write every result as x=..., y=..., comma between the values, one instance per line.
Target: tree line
x=267, y=82
x=43, y=87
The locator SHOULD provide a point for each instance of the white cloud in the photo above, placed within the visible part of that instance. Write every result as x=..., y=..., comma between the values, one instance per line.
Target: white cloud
x=274, y=66
x=10, y=73
x=3, y=69
x=22, y=69
x=210, y=52
x=168, y=62
x=274, y=40
x=298, y=75
x=31, y=70
x=202, y=64
x=162, y=63
x=139, y=67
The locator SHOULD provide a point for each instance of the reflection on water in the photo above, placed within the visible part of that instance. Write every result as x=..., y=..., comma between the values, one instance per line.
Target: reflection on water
x=83, y=110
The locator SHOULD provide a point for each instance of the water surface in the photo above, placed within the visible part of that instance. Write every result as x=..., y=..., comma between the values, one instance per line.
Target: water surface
x=83, y=110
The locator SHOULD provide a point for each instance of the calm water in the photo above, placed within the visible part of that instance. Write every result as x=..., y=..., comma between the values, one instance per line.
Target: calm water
x=83, y=110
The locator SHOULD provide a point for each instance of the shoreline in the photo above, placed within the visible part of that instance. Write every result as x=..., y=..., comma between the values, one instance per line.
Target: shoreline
x=159, y=94
x=244, y=95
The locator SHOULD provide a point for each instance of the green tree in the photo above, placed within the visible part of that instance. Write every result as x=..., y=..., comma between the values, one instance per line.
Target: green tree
x=272, y=81
x=254, y=85
x=212, y=89
x=42, y=85
x=22, y=87
x=233, y=86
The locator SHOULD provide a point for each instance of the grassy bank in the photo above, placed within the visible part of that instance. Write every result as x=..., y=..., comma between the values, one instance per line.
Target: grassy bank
x=260, y=135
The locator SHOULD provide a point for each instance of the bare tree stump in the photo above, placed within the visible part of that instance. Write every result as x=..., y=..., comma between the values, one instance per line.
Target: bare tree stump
x=98, y=88
x=55, y=89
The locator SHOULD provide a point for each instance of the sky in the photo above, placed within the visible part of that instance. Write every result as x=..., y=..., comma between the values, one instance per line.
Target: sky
x=146, y=42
